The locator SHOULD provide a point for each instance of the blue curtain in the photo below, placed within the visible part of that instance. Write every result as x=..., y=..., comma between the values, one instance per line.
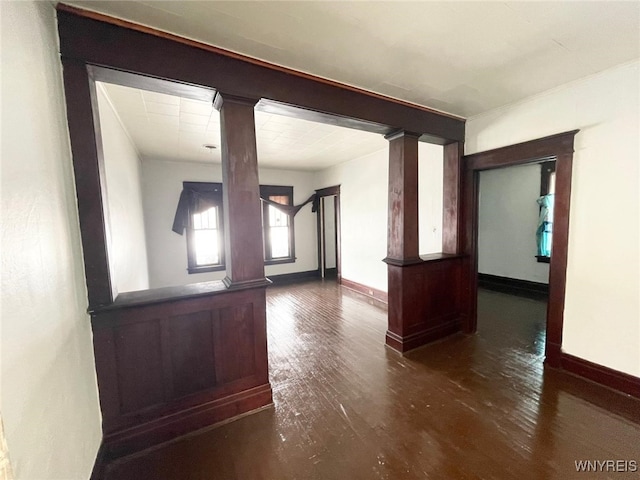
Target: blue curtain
x=544, y=231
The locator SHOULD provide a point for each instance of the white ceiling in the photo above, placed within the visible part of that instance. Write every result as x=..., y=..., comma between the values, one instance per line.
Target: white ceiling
x=165, y=127
x=460, y=57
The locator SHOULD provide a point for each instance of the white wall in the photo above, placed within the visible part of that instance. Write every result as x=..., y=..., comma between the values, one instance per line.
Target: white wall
x=330, y=231
x=364, y=194
x=508, y=218
x=430, y=196
x=49, y=398
x=167, y=251
x=127, y=251
x=602, y=311
x=363, y=216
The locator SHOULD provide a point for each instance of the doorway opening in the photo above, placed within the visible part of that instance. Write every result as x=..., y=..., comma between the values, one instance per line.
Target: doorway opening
x=558, y=148
x=328, y=228
x=514, y=231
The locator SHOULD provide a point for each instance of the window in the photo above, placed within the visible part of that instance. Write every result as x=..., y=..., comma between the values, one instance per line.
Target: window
x=205, y=239
x=544, y=232
x=277, y=225
x=203, y=218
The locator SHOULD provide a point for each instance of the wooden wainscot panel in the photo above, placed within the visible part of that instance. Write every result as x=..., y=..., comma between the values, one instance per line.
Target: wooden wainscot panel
x=428, y=306
x=166, y=368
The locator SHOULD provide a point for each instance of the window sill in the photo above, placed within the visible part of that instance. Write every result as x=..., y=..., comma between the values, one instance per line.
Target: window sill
x=205, y=269
x=542, y=259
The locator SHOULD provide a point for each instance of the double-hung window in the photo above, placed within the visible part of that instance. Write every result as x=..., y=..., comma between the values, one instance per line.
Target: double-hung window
x=277, y=225
x=205, y=238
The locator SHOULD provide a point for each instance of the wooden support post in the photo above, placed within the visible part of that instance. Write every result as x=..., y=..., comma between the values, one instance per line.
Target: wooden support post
x=244, y=255
x=402, y=245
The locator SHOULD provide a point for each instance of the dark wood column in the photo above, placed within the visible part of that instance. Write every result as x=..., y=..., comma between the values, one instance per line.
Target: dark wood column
x=423, y=293
x=402, y=244
x=244, y=255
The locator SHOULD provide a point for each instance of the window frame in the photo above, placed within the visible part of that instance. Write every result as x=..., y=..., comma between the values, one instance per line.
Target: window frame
x=547, y=169
x=192, y=266
x=277, y=190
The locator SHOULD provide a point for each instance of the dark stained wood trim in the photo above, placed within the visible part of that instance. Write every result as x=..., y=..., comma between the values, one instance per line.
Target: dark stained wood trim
x=100, y=464
x=265, y=192
x=86, y=148
x=560, y=148
x=533, y=151
x=452, y=190
x=514, y=286
x=602, y=375
x=119, y=45
x=328, y=191
x=546, y=169
x=402, y=230
x=245, y=58
x=244, y=249
x=295, y=277
x=371, y=292
x=172, y=426
x=158, y=85
x=163, y=294
x=445, y=326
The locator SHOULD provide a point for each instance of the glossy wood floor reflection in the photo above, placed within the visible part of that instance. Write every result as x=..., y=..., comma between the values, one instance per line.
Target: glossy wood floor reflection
x=346, y=407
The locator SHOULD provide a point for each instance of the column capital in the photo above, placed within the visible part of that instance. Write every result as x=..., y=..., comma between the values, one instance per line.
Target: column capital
x=401, y=133
x=221, y=98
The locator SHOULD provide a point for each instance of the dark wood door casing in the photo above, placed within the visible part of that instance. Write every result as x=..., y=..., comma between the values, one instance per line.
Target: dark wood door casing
x=555, y=147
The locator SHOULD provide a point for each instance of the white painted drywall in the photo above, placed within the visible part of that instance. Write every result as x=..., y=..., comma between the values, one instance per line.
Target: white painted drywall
x=602, y=309
x=364, y=193
x=330, y=231
x=430, y=196
x=363, y=216
x=508, y=218
x=167, y=251
x=49, y=398
x=127, y=248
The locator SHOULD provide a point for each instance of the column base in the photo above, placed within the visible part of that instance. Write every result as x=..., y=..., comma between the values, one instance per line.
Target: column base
x=244, y=284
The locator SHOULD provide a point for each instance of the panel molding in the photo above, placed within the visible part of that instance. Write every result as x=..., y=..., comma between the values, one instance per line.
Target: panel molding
x=186, y=421
x=614, y=379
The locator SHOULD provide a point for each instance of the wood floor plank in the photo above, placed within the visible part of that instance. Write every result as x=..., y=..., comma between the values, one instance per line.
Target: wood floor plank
x=347, y=407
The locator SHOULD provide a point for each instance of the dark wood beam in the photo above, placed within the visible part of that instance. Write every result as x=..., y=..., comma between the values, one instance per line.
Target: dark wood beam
x=101, y=40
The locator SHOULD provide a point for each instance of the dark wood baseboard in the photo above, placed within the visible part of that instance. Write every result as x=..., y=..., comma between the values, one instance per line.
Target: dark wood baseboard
x=513, y=286
x=295, y=277
x=370, y=292
x=553, y=355
x=423, y=337
x=600, y=374
x=187, y=421
x=99, y=466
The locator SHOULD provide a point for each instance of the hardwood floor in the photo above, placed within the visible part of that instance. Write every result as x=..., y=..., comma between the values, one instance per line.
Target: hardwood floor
x=347, y=407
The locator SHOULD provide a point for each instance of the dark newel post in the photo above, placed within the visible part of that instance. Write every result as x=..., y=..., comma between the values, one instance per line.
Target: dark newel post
x=402, y=244
x=244, y=256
